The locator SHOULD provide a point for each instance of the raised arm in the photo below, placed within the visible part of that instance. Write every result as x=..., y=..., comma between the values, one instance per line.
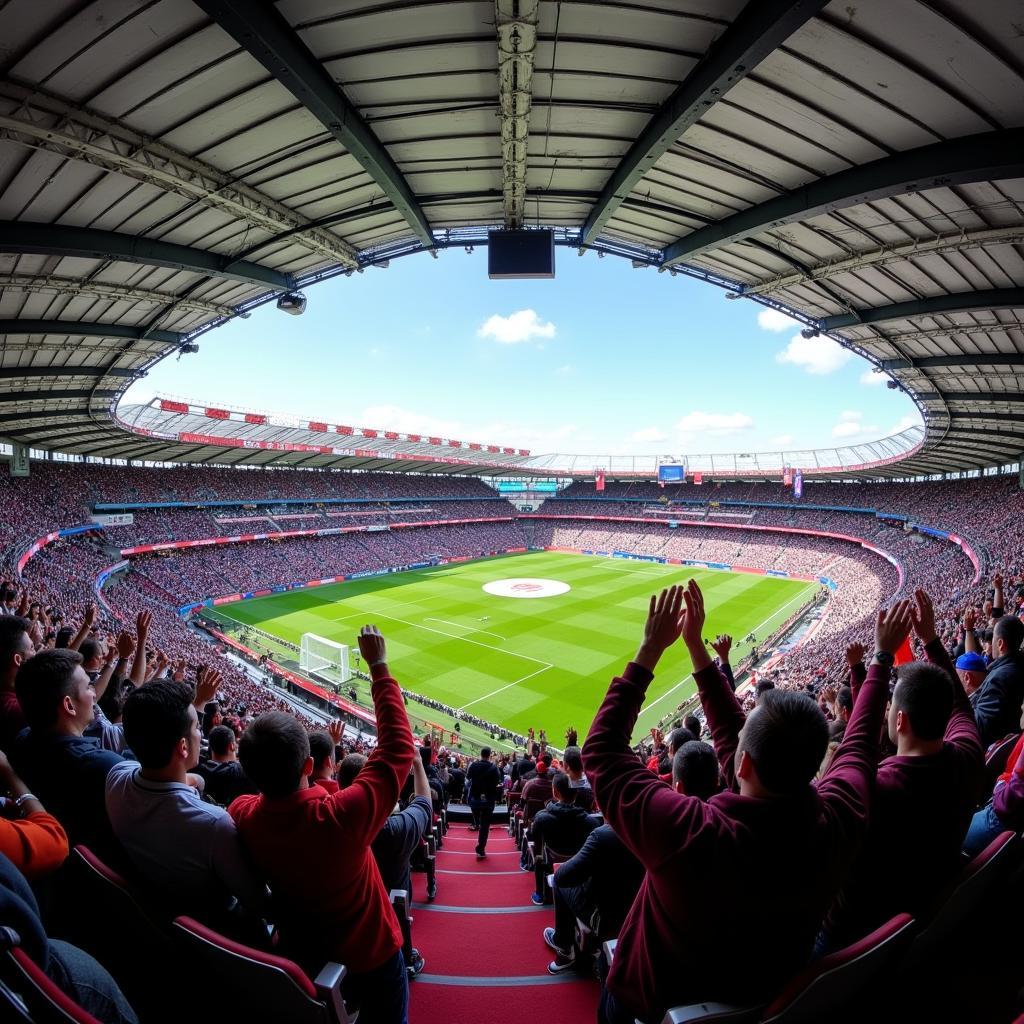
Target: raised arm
x=138, y=672
x=642, y=809
x=722, y=645
x=366, y=804
x=858, y=673
x=83, y=631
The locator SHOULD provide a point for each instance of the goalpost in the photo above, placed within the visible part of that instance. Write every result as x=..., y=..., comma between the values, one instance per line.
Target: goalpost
x=325, y=659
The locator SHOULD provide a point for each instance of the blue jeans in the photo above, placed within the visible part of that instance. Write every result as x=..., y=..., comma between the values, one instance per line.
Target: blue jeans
x=985, y=826
x=382, y=994
x=88, y=983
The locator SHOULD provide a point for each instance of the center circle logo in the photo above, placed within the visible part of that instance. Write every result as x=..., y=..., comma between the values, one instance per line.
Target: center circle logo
x=526, y=588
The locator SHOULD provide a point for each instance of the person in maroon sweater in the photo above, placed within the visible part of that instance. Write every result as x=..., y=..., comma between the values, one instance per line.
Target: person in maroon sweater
x=313, y=847
x=924, y=796
x=769, y=824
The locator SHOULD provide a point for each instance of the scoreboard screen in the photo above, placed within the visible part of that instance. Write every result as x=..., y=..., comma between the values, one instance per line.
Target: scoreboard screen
x=671, y=474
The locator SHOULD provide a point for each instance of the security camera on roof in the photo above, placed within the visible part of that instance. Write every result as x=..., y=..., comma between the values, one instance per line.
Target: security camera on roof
x=292, y=302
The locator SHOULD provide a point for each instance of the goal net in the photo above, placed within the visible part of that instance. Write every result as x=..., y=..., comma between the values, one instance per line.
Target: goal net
x=325, y=659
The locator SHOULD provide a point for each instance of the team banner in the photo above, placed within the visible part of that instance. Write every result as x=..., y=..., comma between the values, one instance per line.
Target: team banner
x=599, y=480
x=798, y=483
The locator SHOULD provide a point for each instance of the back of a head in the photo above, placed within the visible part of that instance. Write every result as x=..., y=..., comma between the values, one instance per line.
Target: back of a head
x=1010, y=630
x=535, y=750
x=349, y=767
x=485, y=753
x=573, y=760
x=155, y=718
x=677, y=737
x=786, y=737
x=64, y=637
x=560, y=786
x=844, y=699
x=273, y=752
x=43, y=682
x=924, y=693
x=13, y=631
x=321, y=748
x=546, y=759
x=90, y=649
x=763, y=686
x=692, y=722
x=221, y=738
x=696, y=767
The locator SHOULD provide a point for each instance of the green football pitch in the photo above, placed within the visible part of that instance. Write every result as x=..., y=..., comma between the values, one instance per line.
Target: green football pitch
x=540, y=662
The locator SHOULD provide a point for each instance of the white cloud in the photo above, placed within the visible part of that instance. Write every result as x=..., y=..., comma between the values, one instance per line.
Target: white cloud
x=516, y=328
x=815, y=355
x=407, y=421
x=719, y=424
x=566, y=370
x=649, y=434
x=906, y=422
x=773, y=320
x=873, y=379
x=851, y=425
x=782, y=440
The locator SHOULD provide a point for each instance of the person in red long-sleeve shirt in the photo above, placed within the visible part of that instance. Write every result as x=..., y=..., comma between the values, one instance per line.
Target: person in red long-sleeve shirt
x=924, y=795
x=313, y=847
x=770, y=825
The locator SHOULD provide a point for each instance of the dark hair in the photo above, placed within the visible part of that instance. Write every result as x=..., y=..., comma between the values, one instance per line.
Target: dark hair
x=349, y=768
x=546, y=758
x=696, y=767
x=924, y=693
x=535, y=749
x=321, y=747
x=64, y=637
x=786, y=737
x=155, y=719
x=90, y=649
x=273, y=752
x=1010, y=630
x=112, y=702
x=692, y=722
x=42, y=683
x=677, y=737
x=764, y=685
x=844, y=699
x=12, y=628
x=560, y=786
x=573, y=759
x=221, y=737
x=212, y=708
x=485, y=752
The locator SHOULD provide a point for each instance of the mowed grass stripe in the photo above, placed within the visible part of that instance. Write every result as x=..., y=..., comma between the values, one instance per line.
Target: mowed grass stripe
x=450, y=640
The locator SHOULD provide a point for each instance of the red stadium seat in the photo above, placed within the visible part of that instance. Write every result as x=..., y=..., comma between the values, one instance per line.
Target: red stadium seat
x=262, y=986
x=996, y=757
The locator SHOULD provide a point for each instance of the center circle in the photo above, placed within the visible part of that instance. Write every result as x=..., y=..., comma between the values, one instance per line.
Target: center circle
x=526, y=588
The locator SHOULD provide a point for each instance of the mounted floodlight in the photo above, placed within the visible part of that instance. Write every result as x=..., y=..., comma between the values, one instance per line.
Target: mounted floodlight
x=189, y=348
x=293, y=303
x=810, y=332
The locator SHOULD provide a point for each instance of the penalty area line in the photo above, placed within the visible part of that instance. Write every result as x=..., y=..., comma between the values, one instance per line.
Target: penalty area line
x=461, y=625
x=507, y=686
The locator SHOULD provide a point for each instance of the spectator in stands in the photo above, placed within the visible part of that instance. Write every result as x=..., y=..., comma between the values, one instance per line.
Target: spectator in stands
x=582, y=794
x=34, y=841
x=334, y=906
x=693, y=725
x=526, y=764
x=64, y=767
x=224, y=777
x=536, y=791
x=597, y=886
x=322, y=746
x=15, y=649
x=1005, y=810
x=70, y=968
x=770, y=821
x=483, y=780
x=972, y=668
x=924, y=796
x=562, y=826
x=997, y=702
x=695, y=770
x=175, y=841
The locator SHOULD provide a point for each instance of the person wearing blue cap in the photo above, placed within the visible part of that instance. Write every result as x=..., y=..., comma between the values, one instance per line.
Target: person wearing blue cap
x=971, y=669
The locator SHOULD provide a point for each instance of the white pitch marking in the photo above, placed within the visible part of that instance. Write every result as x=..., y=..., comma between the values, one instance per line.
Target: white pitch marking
x=507, y=686
x=472, y=629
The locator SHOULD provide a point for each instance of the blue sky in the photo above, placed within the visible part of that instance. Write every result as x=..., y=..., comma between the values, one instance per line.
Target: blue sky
x=605, y=359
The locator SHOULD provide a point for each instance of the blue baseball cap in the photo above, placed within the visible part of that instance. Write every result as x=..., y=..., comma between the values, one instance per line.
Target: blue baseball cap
x=971, y=661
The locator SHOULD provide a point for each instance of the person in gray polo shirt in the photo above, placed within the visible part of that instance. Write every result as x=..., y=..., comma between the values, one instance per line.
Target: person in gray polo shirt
x=175, y=841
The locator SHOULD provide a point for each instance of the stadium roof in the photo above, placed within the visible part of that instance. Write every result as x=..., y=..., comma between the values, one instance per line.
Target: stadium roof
x=167, y=164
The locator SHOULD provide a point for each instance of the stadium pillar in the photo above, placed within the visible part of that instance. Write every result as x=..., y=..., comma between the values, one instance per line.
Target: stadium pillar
x=19, y=459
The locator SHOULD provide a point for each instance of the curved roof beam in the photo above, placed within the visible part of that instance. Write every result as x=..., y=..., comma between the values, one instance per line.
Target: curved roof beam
x=987, y=156
x=31, y=372
x=972, y=396
x=957, y=302
x=959, y=240
x=111, y=292
x=265, y=34
x=973, y=359
x=93, y=243
x=49, y=123
x=948, y=332
x=34, y=397
x=76, y=328
x=759, y=29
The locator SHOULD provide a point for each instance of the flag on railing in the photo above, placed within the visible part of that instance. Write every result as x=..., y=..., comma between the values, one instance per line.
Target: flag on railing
x=787, y=477
x=798, y=484
x=599, y=480
x=698, y=478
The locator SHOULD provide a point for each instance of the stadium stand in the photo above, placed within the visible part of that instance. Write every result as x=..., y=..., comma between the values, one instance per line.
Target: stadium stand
x=170, y=165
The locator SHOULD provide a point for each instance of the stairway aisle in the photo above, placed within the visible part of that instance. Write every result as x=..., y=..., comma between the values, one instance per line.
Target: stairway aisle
x=486, y=960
